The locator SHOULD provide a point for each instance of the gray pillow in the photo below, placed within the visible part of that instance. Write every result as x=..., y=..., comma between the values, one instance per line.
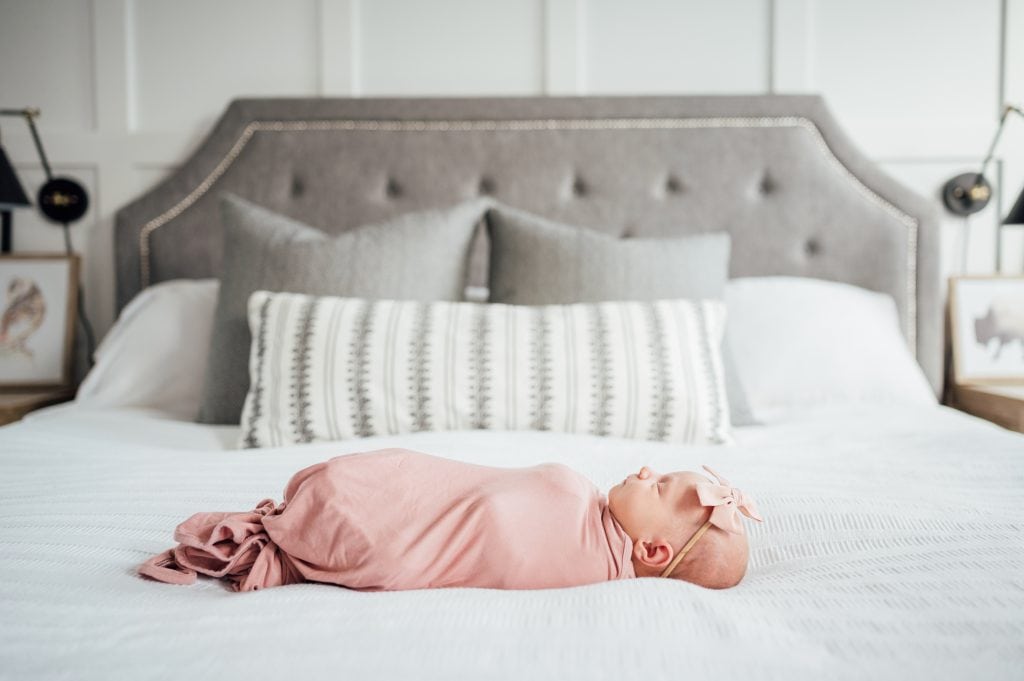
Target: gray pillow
x=418, y=256
x=535, y=261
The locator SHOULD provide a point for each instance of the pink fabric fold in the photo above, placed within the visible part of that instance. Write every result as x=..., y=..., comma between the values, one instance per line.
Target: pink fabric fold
x=234, y=546
x=396, y=519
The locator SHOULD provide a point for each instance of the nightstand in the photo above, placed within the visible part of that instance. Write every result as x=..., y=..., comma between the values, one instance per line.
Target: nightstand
x=14, y=405
x=1001, y=404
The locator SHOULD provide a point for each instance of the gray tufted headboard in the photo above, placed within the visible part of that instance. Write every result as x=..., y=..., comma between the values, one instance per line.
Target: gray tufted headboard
x=776, y=172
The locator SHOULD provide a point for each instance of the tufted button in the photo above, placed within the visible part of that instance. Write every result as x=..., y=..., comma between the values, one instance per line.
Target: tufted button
x=673, y=185
x=766, y=185
x=579, y=187
x=298, y=186
x=485, y=186
x=392, y=189
x=812, y=247
x=628, y=232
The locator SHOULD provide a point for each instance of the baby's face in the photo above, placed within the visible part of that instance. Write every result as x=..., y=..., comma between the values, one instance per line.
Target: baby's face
x=649, y=504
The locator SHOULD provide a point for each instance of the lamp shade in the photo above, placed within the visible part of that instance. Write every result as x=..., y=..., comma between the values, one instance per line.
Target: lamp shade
x=12, y=195
x=1016, y=214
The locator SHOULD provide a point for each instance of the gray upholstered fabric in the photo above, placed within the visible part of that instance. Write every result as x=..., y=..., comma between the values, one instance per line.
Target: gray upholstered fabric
x=776, y=172
x=535, y=261
x=420, y=256
x=539, y=262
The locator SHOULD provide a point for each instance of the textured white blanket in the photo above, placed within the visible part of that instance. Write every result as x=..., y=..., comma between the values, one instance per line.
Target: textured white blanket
x=893, y=547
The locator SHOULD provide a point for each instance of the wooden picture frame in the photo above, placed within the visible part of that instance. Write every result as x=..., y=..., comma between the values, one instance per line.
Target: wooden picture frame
x=986, y=315
x=38, y=303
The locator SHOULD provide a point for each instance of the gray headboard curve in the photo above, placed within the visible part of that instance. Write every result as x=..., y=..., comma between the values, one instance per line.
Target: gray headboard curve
x=775, y=171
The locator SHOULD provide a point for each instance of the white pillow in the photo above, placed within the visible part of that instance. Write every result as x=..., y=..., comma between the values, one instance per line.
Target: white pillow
x=155, y=354
x=799, y=343
x=326, y=368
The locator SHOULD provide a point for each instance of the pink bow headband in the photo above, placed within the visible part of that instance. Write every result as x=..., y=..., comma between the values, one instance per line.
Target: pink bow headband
x=727, y=504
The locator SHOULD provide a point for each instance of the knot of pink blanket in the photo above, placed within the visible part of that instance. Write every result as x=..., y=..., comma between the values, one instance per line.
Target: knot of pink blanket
x=234, y=546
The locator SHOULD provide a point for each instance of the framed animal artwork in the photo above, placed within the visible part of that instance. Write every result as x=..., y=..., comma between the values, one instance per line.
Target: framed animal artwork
x=987, y=326
x=38, y=293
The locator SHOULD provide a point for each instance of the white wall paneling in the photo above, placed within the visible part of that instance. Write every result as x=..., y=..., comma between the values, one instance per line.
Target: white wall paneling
x=672, y=46
x=792, y=46
x=129, y=87
x=456, y=47
x=189, y=57
x=46, y=60
x=339, y=49
x=911, y=77
x=564, y=56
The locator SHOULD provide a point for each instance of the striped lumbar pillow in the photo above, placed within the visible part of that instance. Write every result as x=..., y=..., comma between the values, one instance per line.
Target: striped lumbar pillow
x=325, y=368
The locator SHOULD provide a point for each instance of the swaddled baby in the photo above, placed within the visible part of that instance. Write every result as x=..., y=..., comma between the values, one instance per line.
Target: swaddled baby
x=396, y=519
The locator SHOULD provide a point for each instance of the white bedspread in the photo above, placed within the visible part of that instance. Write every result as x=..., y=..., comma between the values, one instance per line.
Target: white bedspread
x=893, y=547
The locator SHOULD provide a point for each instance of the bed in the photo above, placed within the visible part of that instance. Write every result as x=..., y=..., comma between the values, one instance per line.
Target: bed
x=892, y=546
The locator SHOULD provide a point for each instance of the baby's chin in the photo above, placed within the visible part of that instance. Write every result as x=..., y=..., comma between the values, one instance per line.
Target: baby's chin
x=613, y=500
x=613, y=492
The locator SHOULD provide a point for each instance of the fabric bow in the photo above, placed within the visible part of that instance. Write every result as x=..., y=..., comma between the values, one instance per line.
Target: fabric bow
x=728, y=503
x=235, y=546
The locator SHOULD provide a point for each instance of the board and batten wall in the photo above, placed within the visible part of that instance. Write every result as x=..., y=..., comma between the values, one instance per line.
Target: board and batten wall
x=128, y=88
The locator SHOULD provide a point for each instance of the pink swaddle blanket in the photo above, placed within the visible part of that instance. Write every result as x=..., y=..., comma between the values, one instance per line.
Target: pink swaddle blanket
x=396, y=519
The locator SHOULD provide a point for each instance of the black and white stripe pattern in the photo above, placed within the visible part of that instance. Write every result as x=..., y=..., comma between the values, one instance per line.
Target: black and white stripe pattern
x=253, y=412
x=326, y=368
x=300, y=382
x=540, y=371
x=419, y=369
x=480, y=359
x=600, y=371
x=358, y=362
x=661, y=413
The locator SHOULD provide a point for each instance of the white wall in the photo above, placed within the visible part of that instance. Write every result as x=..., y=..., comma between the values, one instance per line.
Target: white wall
x=129, y=87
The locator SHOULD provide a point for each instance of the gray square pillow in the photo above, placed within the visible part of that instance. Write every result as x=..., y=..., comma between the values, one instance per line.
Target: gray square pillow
x=535, y=261
x=418, y=256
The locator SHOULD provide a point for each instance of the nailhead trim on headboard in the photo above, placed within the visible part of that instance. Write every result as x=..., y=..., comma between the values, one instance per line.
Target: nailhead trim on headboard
x=252, y=128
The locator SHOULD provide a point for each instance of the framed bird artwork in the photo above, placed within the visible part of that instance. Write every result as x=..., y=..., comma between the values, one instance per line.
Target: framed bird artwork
x=37, y=319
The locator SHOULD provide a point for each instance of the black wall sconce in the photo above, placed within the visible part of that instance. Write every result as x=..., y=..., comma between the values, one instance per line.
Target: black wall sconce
x=61, y=199
x=968, y=193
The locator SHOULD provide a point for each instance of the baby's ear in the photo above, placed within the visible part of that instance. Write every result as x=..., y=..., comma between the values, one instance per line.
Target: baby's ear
x=654, y=553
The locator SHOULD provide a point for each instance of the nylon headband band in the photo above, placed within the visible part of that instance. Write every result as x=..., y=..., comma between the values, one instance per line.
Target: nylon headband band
x=686, y=549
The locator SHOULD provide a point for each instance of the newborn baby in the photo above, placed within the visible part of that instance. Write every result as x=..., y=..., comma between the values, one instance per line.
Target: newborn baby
x=396, y=519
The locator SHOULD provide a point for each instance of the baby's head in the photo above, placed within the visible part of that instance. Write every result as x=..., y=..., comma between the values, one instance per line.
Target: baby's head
x=684, y=513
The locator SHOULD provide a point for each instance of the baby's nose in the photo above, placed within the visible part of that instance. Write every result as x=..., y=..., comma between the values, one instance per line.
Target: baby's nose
x=644, y=473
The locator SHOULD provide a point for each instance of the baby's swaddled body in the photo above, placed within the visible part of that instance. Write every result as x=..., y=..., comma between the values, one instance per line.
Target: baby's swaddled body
x=397, y=519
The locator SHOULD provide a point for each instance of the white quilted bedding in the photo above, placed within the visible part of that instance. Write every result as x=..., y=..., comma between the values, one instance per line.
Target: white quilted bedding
x=893, y=547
